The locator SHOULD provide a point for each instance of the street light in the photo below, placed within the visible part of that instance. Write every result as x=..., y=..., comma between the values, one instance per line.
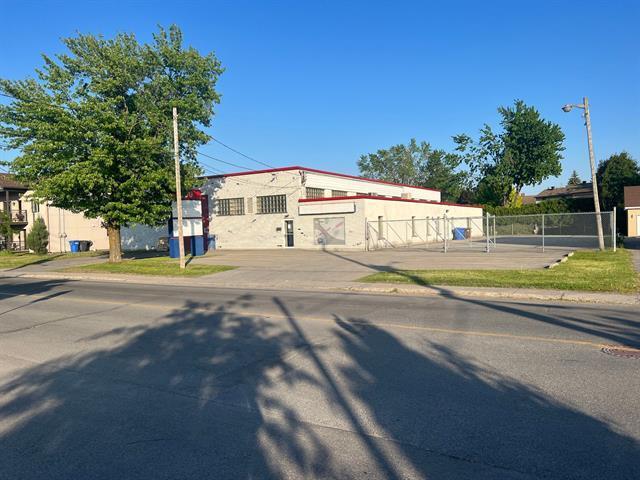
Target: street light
x=596, y=200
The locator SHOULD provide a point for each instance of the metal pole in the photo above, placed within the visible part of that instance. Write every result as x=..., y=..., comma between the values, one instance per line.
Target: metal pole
x=614, y=233
x=543, y=232
x=176, y=153
x=426, y=240
x=486, y=233
x=446, y=235
x=592, y=161
x=495, y=234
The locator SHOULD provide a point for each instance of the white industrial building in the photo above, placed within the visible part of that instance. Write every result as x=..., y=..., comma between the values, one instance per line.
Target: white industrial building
x=298, y=207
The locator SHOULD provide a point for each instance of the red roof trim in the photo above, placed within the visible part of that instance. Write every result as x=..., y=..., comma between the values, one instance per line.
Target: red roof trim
x=315, y=170
x=376, y=197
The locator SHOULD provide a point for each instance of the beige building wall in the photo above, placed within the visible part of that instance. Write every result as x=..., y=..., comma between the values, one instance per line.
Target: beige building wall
x=633, y=222
x=64, y=226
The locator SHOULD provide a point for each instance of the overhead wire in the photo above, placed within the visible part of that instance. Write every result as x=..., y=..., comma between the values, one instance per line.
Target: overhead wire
x=242, y=154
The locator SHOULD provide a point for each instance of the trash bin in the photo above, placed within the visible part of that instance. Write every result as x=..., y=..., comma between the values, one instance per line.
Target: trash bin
x=74, y=245
x=467, y=233
x=85, y=245
x=458, y=233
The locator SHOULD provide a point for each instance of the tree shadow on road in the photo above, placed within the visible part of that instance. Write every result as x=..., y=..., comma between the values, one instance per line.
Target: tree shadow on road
x=614, y=329
x=209, y=392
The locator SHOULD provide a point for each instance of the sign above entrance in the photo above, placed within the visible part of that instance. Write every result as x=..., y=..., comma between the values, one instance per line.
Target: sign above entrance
x=319, y=209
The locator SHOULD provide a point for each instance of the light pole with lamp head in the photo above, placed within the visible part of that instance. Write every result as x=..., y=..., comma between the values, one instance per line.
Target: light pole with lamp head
x=596, y=200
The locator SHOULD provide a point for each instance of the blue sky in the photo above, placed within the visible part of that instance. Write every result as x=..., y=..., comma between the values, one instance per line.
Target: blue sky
x=320, y=83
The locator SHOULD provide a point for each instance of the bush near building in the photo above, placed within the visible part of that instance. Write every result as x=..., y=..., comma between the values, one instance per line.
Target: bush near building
x=38, y=238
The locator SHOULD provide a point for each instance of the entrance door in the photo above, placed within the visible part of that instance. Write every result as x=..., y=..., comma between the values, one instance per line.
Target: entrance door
x=288, y=232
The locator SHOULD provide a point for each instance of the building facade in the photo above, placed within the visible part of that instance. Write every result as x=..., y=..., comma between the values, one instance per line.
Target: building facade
x=298, y=207
x=14, y=211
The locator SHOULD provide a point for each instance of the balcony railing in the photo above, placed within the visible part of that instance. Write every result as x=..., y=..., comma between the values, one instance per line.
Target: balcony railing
x=13, y=245
x=17, y=216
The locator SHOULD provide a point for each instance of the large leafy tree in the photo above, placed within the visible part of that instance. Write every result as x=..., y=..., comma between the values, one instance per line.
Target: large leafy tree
x=526, y=151
x=416, y=164
x=94, y=127
x=613, y=174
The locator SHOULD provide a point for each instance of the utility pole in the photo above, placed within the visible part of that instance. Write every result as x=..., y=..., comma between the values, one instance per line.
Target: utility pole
x=592, y=160
x=176, y=154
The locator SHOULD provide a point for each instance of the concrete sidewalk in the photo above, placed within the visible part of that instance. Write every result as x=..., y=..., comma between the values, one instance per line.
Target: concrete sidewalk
x=220, y=280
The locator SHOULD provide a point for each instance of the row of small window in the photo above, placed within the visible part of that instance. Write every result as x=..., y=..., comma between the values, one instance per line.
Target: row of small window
x=264, y=204
x=312, y=192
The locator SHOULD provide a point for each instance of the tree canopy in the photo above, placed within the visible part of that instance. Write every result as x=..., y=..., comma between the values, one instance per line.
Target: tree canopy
x=613, y=174
x=94, y=126
x=416, y=164
x=526, y=151
x=574, y=179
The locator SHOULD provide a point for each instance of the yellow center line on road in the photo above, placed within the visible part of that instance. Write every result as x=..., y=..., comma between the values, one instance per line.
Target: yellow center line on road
x=473, y=333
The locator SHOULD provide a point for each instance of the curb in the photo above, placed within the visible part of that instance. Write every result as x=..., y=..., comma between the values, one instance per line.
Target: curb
x=356, y=288
x=564, y=258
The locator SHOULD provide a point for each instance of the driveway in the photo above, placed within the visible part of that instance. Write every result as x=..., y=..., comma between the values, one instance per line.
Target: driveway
x=306, y=267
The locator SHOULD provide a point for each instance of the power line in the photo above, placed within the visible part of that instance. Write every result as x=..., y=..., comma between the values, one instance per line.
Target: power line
x=243, y=154
x=223, y=161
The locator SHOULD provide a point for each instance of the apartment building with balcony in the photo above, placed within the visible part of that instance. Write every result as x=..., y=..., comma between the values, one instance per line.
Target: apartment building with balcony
x=13, y=211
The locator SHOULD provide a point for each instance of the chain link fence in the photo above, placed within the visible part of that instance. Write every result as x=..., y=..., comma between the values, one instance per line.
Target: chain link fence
x=490, y=232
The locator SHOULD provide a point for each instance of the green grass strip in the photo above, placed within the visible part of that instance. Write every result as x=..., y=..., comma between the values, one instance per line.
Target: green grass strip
x=586, y=270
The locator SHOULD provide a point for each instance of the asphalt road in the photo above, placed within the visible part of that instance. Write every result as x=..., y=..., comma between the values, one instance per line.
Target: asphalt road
x=103, y=381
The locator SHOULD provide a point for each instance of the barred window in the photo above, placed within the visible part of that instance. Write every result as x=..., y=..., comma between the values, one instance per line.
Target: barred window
x=338, y=193
x=231, y=206
x=272, y=204
x=315, y=192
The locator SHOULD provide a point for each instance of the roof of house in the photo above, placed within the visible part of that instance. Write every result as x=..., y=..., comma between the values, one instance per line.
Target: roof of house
x=8, y=182
x=632, y=196
x=584, y=189
x=315, y=170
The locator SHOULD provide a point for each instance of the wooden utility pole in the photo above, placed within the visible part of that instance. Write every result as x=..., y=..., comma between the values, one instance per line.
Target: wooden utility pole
x=176, y=153
x=592, y=160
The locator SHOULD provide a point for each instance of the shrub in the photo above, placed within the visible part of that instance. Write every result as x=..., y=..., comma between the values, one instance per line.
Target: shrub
x=38, y=238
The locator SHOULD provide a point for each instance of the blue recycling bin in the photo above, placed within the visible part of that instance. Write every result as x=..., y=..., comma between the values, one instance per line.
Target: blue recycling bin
x=458, y=233
x=197, y=245
x=74, y=245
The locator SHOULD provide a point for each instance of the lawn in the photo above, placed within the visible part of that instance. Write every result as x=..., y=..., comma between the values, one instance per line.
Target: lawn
x=164, y=266
x=586, y=270
x=20, y=259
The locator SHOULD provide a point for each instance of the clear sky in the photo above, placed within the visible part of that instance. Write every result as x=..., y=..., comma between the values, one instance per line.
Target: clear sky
x=320, y=83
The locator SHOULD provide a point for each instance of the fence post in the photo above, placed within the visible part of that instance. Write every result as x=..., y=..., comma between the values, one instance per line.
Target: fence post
x=495, y=233
x=366, y=234
x=426, y=240
x=486, y=232
x=543, y=233
x=614, y=227
x=446, y=237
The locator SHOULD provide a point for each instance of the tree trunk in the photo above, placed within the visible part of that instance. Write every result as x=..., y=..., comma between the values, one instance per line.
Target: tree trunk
x=115, y=249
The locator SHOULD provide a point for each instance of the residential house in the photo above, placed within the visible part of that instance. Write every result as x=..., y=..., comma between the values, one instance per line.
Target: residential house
x=632, y=207
x=579, y=191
